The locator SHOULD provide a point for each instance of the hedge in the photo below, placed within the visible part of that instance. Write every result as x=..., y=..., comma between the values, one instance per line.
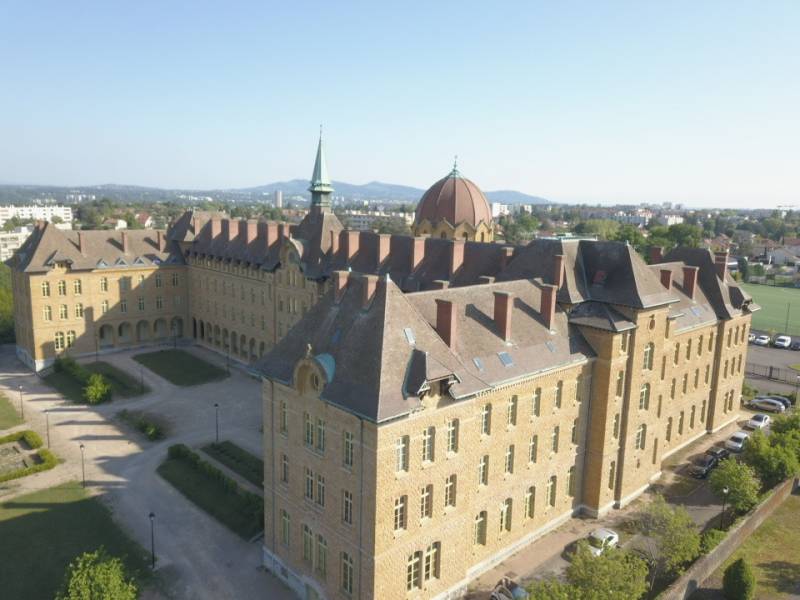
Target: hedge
x=28, y=436
x=48, y=461
x=146, y=425
x=69, y=366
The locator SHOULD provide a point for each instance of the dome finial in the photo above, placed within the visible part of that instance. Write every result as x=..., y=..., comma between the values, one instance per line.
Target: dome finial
x=454, y=172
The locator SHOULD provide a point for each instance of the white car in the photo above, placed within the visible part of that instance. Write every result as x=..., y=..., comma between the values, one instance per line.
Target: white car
x=736, y=442
x=758, y=421
x=782, y=341
x=751, y=337
x=767, y=404
x=602, y=539
x=762, y=340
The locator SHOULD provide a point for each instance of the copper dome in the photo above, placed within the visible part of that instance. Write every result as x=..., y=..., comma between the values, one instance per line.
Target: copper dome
x=455, y=199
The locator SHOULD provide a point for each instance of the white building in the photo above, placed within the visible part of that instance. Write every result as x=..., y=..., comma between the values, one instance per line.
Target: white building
x=669, y=219
x=365, y=219
x=36, y=212
x=500, y=210
x=11, y=240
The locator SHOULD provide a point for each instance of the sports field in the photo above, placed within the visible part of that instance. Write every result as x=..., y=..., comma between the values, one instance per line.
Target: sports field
x=776, y=304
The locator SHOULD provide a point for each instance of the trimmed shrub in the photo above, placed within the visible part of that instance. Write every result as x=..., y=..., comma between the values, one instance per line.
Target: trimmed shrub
x=69, y=366
x=47, y=460
x=738, y=581
x=97, y=389
x=144, y=424
x=28, y=436
x=710, y=539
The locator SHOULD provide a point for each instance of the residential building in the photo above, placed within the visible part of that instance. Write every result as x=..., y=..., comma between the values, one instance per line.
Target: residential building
x=35, y=212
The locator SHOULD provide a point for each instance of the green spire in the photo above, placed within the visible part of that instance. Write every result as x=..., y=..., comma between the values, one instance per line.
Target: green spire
x=455, y=172
x=320, y=182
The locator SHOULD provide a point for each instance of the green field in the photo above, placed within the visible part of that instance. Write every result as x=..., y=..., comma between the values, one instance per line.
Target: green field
x=775, y=302
x=122, y=384
x=180, y=367
x=40, y=533
x=9, y=415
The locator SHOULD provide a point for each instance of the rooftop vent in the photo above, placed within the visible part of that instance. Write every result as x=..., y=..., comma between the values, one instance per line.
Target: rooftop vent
x=409, y=335
x=550, y=346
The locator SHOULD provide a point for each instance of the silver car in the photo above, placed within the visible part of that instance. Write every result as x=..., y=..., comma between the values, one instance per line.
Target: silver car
x=767, y=404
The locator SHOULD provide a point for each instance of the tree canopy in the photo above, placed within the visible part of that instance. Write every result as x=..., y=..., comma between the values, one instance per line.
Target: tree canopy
x=97, y=576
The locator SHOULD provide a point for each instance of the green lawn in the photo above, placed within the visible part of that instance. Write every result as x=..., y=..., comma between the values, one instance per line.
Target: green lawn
x=9, y=415
x=122, y=384
x=774, y=302
x=773, y=550
x=238, y=460
x=240, y=511
x=180, y=367
x=40, y=533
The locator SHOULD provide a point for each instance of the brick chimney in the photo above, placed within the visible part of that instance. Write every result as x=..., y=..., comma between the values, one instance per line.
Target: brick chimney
x=369, y=284
x=272, y=233
x=548, y=308
x=558, y=271
x=506, y=253
x=349, y=243
x=656, y=255
x=384, y=239
x=689, y=280
x=251, y=227
x=125, y=245
x=339, y=284
x=503, y=305
x=721, y=263
x=161, y=240
x=456, y=256
x=334, y=243
x=284, y=231
x=446, y=321
x=485, y=279
x=417, y=252
x=666, y=278
x=216, y=227
x=81, y=242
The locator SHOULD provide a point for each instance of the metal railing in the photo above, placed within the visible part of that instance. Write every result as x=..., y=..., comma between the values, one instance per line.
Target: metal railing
x=785, y=374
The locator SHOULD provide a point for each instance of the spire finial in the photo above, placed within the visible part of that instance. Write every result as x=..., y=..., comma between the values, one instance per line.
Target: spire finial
x=320, y=131
x=455, y=172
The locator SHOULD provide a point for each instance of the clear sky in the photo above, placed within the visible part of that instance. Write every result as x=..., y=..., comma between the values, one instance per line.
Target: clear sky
x=694, y=102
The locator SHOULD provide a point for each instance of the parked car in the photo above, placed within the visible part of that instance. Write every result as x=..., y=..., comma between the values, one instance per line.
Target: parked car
x=601, y=540
x=718, y=452
x=702, y=465
x=782, y=341
x=508, y=589
x=787, y=404
x=758, y=421
x=751, y=337
x=767, y=404
x=761, y=340
x=736, y=442
x=795, y=345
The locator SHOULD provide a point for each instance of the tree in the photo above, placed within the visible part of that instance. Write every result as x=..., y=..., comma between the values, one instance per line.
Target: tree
x=97, y=389
x=738, y=581
x=614, y=575
x=741, y=481
x=553, y=589
x=675, y=539
x=97, y=576
x=604, y=229
x=632, y=235
x=772, y=460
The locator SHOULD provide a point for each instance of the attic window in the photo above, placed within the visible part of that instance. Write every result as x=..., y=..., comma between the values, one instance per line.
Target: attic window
x=550, y=346
x=409, y=335
x=599, y=278
x=102, y=263
x=695, y=311
x=478, y=363
x=505, y=358
x=138, y=261
x=121, y=261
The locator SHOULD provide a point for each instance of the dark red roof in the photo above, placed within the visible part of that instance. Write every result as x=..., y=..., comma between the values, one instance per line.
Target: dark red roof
x=454, y=199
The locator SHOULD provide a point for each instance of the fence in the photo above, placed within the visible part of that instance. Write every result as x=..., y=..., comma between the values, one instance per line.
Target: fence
x=785, y=374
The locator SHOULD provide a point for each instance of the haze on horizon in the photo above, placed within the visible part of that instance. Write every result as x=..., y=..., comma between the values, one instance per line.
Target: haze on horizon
x=612, y=102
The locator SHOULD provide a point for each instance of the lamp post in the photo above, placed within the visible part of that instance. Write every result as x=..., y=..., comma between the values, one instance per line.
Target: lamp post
x=228, y=359
x=141, y=378
x=83, y=466
x=725, y=491
x=47, y=421
x=216, y=420
x=153, y=540
x=21, y=407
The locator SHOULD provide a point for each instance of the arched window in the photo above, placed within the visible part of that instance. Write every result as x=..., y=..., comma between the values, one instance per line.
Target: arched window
x=644, y=397
x=649, y=350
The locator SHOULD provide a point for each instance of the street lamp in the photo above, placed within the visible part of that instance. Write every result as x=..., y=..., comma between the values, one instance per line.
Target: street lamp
x=725, y=491
x=47, y=421
x=216, y=419
x=152, y=540
x=21, y=407
x=83, y=466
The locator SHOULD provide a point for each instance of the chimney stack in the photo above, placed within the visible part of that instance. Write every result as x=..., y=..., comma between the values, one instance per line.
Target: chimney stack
x=369, y=284
x=383, y=247
x=689, y=280
x=339, y=284
x=272, y=233
x=161, y=239
x=666, y=278
x=656, y=255
x=506, y=253
x=351, y=239
x=485, y=279
x=252, y=231
x=456, y=256
x=558, y=271
x=503, y=305
x=125, y=246
x=721, y=263
x=334, y=243
x=81, y=242
x=216, y=227
x=446, y=322
x=548, y=309
x=284, y=231
x=417, y=252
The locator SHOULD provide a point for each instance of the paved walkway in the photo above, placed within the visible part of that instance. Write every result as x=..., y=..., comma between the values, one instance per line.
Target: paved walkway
x=198, y=557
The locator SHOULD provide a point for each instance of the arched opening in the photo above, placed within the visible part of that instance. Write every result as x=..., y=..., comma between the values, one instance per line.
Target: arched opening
x=124, y=333
x=261, y=349
x=106, y=336
x=234, y=342
x=142, y=331
x=194, y=328
x=216, y=335
x=243, y=345
x=202, y=330
x=176, y=327
x=160, y=329
x=225, y=341
x=443, y=235
x=483, y=237
x=253, y=349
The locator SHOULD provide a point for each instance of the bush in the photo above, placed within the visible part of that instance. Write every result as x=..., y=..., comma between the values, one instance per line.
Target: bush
x=28, y=436
x=710, y=539
x=96, y=575
x=69, y=366
x=97, y=390
x=148, y=426
x=47, y=460
x=738, y=581
x=773, y=461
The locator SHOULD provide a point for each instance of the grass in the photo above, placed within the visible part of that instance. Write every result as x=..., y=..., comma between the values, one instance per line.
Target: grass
x=773, y=551
x=774, y=302
x=150, y=426
x=9, y=416
x=238, y=460
x=122, y=384
x=40, y=533
x=230, y=505
x=180, y=367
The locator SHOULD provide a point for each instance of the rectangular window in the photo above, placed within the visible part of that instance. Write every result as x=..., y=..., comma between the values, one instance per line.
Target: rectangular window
x=320, y=490
x=320, y=435
x=509, y=463
x=414, y=571
x=123, y=306
x=511, y=411
x=536, y=403
x=141, y=303
x=400, y=513
x=347, y=449
x=283, y=418
x=574, y=436
x=77, y=287
x=104, y=307
x=559, y=393
x=483, y=470
x=479, y=536
x=286, y=526
x=158, y=280
x=620, y=383
x=505, y=515
x=347, y=573
x=79, y=310
x=308, y=428
x=308, y=544
x=284, y=468
x=452, y=435
x=104, y=284
x=309, y=491
x=63, y=312
x=428, y=444
x=708, y=373
x=62, y=291
x=174, y=280
x=47, y=313
x=486, y=419
x=159, y=302
x=46, y=289
x=551, y=490
x=554, y=440
x=571, y=482
x=530, y=502
x=641, y=435
x=322, y=555
x=401, y=453
x=450, y=491
x=347, y=507
x=432, y=556
x=426, y=502
x=612, y=474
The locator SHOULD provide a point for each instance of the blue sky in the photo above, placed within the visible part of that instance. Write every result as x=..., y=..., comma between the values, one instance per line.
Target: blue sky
x=694, y=102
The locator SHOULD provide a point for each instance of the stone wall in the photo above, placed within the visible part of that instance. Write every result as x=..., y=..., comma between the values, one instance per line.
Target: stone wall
x=702, y=569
